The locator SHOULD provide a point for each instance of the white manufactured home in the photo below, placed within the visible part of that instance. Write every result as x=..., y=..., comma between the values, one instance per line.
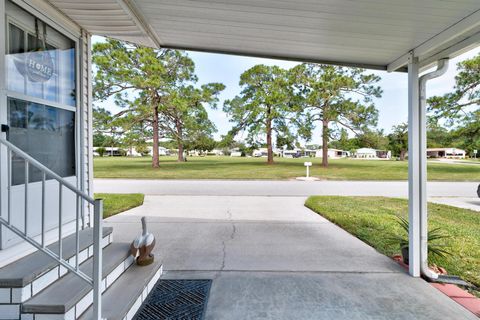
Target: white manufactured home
x=263, y=152
x=373, y=154
x=333, y=153
x=446, y=153
x=56, y=260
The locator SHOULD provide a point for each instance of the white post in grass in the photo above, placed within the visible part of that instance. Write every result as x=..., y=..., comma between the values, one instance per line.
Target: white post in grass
x=308, y=165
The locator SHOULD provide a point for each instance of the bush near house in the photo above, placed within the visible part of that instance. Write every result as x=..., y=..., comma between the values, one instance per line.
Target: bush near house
x=374, y=219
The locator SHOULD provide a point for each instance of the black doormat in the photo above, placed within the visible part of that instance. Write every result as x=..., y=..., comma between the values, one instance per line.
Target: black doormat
x=175, y=300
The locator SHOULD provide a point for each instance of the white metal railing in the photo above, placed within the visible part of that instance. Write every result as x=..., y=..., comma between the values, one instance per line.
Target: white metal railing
x=82, y=199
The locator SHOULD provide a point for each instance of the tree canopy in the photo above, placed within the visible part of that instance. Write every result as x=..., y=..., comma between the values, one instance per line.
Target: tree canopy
x=184, y=119
x=263, y=106
x=335, y=97
x=398, y=140
x=156, y=90
x=161, y=102
x=459, y=109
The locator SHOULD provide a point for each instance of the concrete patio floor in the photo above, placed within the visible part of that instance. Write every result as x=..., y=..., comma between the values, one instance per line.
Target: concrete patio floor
x=272, y=258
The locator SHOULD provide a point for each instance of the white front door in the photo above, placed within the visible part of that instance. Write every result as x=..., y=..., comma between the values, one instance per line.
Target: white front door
x=40, y=108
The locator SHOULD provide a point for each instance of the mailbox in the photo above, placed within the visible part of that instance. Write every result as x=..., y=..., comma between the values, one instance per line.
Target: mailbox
x=308, y=165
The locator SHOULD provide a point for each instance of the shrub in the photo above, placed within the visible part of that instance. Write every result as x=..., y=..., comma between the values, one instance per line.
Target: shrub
x=143, y=150
x=434, y=235
x=122, y=152
x=101, y=151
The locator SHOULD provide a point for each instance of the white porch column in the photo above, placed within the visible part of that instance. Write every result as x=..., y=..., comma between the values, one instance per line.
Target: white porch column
x=416, y=198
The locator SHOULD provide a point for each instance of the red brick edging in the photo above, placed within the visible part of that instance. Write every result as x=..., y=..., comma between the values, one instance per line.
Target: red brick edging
x=460, y=296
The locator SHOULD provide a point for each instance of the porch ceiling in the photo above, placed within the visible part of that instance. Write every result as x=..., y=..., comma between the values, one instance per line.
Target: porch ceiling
x=370, y=33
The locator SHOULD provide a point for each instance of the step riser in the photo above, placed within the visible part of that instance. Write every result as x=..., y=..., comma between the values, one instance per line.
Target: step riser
x=138, y=303
x=11, y=298
x=87, y=300
x=19, y=295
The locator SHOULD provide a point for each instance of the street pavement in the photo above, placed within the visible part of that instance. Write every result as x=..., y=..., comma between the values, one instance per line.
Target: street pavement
x=461, y=194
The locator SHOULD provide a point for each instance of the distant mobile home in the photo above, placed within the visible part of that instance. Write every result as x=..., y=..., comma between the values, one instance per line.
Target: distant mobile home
x=109, y=151
x=263, y=152
x=298, y=153
x=333, y=154
x=161, y=152
x=369, y=153
x=446, y=153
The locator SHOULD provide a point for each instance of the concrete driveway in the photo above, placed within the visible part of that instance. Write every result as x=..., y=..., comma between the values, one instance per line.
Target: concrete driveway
x=272, y=258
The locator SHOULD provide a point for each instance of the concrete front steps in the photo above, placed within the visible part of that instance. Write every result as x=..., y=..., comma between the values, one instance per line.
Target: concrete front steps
x=28, y=276
x=70, y=296
x=37, y=288
x=123, y=299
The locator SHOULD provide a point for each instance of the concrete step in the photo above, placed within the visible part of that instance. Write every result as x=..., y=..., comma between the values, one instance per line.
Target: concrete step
x=70, y=295
x=123, y=299
x=29, y=275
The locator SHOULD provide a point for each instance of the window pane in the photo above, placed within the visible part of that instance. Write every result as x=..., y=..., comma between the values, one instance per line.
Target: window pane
x=41, y=68
x=16, y=44
x=16, y=40
x=45, y=133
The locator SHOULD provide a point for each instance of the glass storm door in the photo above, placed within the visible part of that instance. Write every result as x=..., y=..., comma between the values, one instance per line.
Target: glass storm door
x=40, y=112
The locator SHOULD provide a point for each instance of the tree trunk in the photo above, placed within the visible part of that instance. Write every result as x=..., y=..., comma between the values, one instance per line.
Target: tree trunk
x=113, y=142
x=402, y=155
x=180, y=157
x=269, y=137
x=180, y=152
x=155, y=158
x=325, y=143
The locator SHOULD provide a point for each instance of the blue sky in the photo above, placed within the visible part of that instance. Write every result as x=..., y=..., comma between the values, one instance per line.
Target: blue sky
x=228, y=68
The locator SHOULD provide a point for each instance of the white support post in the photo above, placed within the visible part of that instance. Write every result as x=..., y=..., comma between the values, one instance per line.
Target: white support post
x=414, y=166
x=97, y=259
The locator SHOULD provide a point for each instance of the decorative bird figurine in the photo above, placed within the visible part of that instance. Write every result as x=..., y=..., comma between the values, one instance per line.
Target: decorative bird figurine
x=143, y=244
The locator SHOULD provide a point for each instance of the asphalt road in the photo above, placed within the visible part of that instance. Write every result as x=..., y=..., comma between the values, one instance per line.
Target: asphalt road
x=460, y=194
x=280, y=188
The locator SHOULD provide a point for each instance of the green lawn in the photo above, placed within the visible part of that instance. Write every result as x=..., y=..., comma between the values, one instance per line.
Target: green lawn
x=213, y=167
x=373, y=219
x=114, y=203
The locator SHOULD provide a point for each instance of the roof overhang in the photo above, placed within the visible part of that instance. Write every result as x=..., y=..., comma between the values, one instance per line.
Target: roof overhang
x=374, y=34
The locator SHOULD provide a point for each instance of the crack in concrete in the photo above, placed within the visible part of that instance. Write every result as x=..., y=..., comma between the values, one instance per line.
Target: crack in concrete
x=224, y=243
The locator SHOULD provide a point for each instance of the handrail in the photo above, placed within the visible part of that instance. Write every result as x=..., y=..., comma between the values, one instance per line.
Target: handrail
x=46, y=250
x=95, y=280
x=49, y=172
